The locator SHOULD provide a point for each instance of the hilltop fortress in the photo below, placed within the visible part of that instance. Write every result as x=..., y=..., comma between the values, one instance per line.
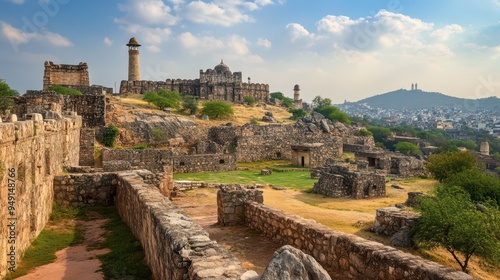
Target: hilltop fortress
x=219, y=83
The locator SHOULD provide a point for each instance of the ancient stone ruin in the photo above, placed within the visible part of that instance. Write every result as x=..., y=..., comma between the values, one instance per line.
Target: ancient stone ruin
x=340, y=181
x=65, y=75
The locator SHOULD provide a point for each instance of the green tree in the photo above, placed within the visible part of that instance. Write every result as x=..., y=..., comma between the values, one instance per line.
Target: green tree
x=380, y=133
x=5, y=102
x=319, y=101
x=163, y=99
x=65, y=90
x=288, y=102
x=250, y=100
x=109, y=135
x=451, y=221
x=190, y=103
x=297, y=114
x=364, y=132
x=444, y=165
x=481, y=187
x=333, y=113
x=217, y=110
x=408, y=148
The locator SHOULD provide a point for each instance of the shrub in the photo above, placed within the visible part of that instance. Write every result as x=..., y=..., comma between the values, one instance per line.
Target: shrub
x=65, y=90
x=333, y=113
x=140, y=147
x=217, y=110
x=288, y=102
x=365, y=132
x=250, y=100
x=163, y=99
x=297, y=114
x=109, y=136
x=444, y=165
x=5, y=102
x=190, y=103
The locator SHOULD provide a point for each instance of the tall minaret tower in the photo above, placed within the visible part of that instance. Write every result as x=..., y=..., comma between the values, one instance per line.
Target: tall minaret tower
x=134, y=68
x=296, y=93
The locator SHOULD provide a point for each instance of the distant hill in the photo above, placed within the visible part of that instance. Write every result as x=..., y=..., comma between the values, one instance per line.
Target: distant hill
x=417, y=99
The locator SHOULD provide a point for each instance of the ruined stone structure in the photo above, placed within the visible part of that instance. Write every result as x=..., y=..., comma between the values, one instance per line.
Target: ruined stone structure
x=32, y=152
x=296, y=97
x=91, y=107
x=65, y=75
x=323, y=139
x=213, y=84
x=339, y=181
x=485, y=149
x=134, y=67
x=396, y=223
x=343, y=256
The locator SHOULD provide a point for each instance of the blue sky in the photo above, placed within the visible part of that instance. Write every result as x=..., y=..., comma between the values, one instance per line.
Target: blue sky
x=343, y=50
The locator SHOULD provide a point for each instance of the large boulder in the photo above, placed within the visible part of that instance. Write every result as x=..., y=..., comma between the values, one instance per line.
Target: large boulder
x=289, y=263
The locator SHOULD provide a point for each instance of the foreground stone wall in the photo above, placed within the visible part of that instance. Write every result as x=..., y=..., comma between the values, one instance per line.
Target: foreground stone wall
x=88, y=189
x=31, y=153
x=87, y=141
x=344, y=256
x=174, y=245
x=231, y=201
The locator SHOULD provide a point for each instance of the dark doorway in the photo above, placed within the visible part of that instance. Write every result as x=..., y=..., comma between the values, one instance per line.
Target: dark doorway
x=303, y=161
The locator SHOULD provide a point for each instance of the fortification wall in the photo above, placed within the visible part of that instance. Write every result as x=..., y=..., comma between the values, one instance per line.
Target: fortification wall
x=390, y=220
x=88, y=189
x=204, y=163
x=153, y=160
x=174, y=245
x=65, y=74
x=32, y=152
x=92, y=107
x=344, y=256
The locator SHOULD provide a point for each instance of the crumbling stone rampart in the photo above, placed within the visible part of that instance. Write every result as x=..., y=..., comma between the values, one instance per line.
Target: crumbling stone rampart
x=390, y=220
x=344, y=256
x=174, y=245
x=204, y=163
x=32, y=152
x=87, y=140
x=88, y=189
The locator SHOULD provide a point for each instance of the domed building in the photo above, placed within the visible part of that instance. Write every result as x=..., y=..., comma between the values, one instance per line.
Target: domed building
x=218, y=83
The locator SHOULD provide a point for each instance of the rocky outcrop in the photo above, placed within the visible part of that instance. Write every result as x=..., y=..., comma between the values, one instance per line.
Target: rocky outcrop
x=153, y=128
x=289, y=263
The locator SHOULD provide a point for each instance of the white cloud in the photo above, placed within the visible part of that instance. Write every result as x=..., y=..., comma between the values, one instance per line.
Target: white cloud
x=233, y=47
x=108, y=42
x=211, y=13
x=16, y=1
x=388, y=32
x=148, y=12
x=153, y=49
x=263, y=42
x=446, y=32
x=17, y=36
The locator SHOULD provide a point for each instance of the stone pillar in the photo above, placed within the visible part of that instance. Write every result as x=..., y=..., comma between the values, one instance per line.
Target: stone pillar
x=231, y=201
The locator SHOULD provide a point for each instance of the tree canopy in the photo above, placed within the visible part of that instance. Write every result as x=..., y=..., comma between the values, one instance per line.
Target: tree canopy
x=190, y=103
x=163, y=99
x=217, y=110
x=333, y=113
x=5, y=90
x=319, y=101
x=288, y=102
x=451, y=221
x=297, y=114
x=408, y=148
x=481, y=187
x=444, y=165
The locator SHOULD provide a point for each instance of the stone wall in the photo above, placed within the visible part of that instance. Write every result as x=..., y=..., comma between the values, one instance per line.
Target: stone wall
x=87, y=139
x=204, y=163
x=91, y=107
x=174, y=245
x=231, y=201
x=32, y=152
x=390, y=220
x=339, y=181
x=344, y=256
x=85, y=189
x=157, y=161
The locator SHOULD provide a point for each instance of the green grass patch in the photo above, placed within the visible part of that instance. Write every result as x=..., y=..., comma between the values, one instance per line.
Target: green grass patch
x=300, y=180
x=126, y=259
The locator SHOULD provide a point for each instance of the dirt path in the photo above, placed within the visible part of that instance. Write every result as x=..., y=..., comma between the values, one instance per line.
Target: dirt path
x=75, y=262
